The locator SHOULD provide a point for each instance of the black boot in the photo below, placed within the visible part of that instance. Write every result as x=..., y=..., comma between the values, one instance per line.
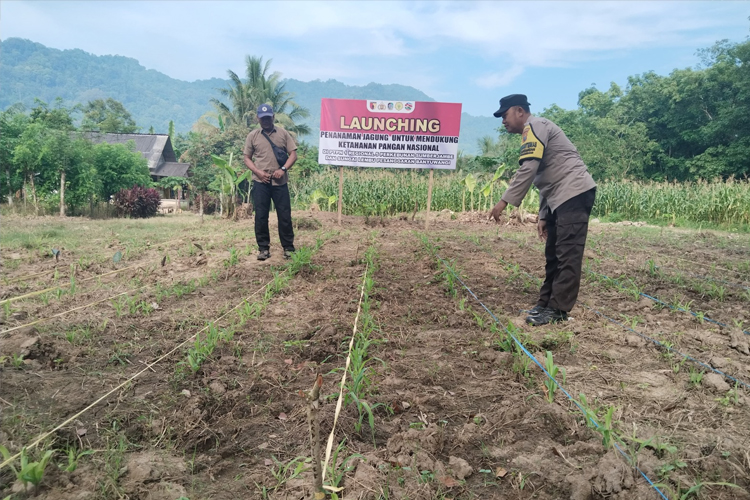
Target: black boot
x=546, y=316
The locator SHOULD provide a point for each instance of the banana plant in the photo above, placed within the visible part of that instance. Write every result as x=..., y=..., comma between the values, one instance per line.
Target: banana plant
x=320, y=195
x=470, y=183
x=487, y=190
x=230, y=180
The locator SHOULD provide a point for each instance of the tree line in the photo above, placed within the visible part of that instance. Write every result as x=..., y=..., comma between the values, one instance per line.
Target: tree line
x=691, y=124
x=48, y=162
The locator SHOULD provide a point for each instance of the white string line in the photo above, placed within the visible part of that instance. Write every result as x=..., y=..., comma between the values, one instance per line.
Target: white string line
x=39, y=292
x=329, y=446
x=71, y=310
x=148, y=367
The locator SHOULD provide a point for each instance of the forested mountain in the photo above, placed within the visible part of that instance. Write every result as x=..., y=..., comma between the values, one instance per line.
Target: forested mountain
x=30, y=70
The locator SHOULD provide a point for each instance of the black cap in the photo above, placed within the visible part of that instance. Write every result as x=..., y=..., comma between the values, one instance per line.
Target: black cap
x=264, y=110
x=509, y=101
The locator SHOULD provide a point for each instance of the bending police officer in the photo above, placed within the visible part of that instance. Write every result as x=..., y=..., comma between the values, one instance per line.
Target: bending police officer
x=566, y=196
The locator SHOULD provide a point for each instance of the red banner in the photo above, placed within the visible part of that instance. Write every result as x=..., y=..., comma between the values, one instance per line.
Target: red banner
x=394, y=134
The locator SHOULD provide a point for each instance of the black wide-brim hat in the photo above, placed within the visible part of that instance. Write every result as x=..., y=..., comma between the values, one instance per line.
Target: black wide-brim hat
x=509, y=101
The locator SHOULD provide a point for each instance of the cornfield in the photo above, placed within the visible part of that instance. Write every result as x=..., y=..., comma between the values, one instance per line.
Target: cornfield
x=370, y=192
x=717, y=202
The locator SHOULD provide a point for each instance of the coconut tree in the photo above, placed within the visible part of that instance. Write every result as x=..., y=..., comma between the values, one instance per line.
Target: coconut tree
x=241, y=109
x=260, y=86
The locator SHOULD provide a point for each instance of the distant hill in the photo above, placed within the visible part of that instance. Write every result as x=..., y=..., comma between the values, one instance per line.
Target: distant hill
x=31, y=70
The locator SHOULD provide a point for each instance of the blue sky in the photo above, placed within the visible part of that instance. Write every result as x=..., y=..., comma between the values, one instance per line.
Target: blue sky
x=468, y=52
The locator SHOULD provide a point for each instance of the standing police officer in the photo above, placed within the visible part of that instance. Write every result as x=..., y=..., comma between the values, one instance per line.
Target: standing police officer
x=566, y=195
x=270, y=181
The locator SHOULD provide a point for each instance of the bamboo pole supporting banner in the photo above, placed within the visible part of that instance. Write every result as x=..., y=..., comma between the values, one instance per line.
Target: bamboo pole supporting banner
x=341, y=192
x=429, y=200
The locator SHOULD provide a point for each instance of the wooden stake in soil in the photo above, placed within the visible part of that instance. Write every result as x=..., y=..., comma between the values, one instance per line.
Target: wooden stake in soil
x=341, y=191
x=429, y=201
x=312, y=421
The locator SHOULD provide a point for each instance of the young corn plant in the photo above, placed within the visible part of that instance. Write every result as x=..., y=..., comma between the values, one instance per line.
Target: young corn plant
x=449, y=280
x=696, y=376
x=29, y=472
x=604, y=426
x=74, y=457
x=360, y=382
x=553, y=370
x=233, y=259
x=72, y=279
x=338, y=469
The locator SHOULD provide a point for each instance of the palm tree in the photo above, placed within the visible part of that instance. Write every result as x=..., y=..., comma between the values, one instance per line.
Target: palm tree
x=241, y=109
x=489, y=146
x=260, y=87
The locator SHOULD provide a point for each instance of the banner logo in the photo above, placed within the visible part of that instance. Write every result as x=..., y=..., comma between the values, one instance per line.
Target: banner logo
x=391, y=106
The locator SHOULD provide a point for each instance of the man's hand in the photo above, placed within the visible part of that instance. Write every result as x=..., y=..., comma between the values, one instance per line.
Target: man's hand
x=497, y=210
x=278, y=174
x=264, y=176
x=541, y=228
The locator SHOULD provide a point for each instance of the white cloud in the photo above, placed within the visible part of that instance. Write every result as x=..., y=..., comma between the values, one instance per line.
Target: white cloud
x=434, y=46
x=500, y=79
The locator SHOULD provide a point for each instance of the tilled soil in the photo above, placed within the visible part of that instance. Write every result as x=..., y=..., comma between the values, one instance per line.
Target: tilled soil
x=457, y=411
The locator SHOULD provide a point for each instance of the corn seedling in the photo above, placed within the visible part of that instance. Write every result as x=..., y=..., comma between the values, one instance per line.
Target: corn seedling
x=553, y=370
x=72, y=279
x=203, y=348
x=448, y=277
x=668, y=346
x=555, y=339
x=678, y=305
x=16, y=360
x=79, y=335
x=119, y=355
x=503, y=339
x=114, y=459
x=717, y=292
x=479, y=319
x=696, y=377
x=677, y=366
x=695, y=491
x=631, y=321
x=233, y=258
x=29, y=472
x=283, y=472
x=119, y=305
x=731, y=397
x=74, y=457
x=521, y=362
x=337, y=470
x=604, y=426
